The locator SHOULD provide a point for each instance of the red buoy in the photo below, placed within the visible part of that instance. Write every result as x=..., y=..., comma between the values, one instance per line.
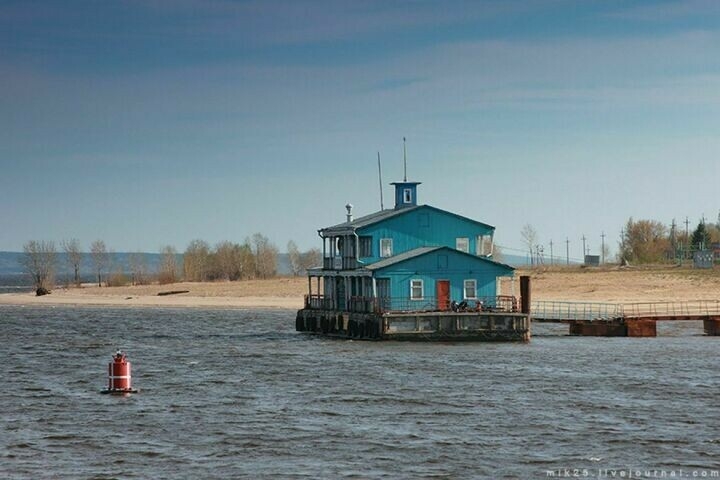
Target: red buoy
x=119, y=378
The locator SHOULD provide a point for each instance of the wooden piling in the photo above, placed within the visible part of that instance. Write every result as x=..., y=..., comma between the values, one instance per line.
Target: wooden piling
x=525, y=294
x=712, y=327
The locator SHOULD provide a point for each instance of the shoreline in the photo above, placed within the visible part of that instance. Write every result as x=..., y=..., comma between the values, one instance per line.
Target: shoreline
x=140, y=301
x=605, y=285
x=278, y=293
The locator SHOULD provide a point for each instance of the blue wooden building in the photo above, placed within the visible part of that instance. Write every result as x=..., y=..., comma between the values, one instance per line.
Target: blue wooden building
x=412, y=258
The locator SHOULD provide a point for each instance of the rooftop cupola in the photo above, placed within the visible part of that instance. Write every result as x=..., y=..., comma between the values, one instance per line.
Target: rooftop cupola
x=405, y=194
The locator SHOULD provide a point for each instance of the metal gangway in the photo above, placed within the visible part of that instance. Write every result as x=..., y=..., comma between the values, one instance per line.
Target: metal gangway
x=561, y=311
x=557, y=311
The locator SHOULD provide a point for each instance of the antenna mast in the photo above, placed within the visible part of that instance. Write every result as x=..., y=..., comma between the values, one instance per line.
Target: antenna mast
x=404, y=161
x=380, y=179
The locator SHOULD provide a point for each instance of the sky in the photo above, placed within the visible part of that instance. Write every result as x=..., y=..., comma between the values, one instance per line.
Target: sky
x=149, y=123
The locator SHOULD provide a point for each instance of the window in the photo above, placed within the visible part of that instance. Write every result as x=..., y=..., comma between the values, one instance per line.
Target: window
x=365, y=246
x=470, y=289
x=484, y=245
x=416, y=289
x=386, y=247
x=407, y=195
x=462, y=244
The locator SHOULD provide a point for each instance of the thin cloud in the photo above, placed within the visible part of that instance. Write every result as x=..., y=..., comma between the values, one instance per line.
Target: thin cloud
x=668, y=10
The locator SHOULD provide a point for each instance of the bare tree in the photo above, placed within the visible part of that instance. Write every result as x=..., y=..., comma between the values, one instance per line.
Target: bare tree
x=100, y=258
x=529, y=238
x=497, y=254
x=265, y=256
x=168, y=265
x=39, y=261
x=73, y=258
x=311, y=258
x=245, y=261
x=196, y=261
x=645, y=241
x=138, y=268
x=294, y=257
x=226, y=261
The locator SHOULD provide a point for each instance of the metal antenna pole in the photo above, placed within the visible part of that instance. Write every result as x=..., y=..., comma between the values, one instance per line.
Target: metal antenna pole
x=404, y=161
x=380, y=179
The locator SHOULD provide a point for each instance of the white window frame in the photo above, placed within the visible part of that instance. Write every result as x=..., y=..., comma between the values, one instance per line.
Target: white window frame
x=415, y=283
x=389, y=242
x=465, y=288
x=482, y=240
x=459, y=241
x=407, y=195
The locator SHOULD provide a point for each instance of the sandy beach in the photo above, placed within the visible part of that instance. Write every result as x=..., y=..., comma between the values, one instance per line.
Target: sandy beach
x=284, y=293
x=611, y=284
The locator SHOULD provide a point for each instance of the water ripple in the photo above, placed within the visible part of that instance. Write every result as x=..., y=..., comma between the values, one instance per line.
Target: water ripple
x=239, y=394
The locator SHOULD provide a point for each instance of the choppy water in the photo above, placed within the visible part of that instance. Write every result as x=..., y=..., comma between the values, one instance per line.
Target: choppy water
x=240, y=394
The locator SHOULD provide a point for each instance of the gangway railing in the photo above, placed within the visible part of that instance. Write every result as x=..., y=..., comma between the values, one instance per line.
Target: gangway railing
x=686, y=308
x=559, y=311
x=589, y=311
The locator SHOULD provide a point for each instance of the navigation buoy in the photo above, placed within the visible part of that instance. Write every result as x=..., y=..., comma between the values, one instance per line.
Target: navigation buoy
x=119, y=378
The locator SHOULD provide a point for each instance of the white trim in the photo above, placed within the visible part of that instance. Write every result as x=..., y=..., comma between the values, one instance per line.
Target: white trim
x=407, y=195
x=422, y=289
x=482, y=241
x=465, y=284
x=460, y=240
x=382, y=250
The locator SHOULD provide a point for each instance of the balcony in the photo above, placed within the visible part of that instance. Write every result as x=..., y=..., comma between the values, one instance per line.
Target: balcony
x=340, y=263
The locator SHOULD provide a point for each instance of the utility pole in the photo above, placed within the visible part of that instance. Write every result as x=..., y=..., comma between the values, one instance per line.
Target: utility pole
x=567, y=251
x=583, y=239
x=551, y=254
x=602, y=249
x=673, y=239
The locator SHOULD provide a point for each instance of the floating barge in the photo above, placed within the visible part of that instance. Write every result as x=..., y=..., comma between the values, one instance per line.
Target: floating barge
x=487, y=326
x=414, y=272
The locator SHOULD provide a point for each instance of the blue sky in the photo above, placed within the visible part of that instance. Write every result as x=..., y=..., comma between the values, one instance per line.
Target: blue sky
x=146, y=123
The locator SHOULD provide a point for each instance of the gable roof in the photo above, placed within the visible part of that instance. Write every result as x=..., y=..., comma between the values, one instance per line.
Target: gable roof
x=369, y=219
x=419, y=252
x=382, y=215
x=401, y=257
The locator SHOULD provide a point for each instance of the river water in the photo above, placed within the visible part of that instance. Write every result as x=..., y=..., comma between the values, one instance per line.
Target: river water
x=240, y=394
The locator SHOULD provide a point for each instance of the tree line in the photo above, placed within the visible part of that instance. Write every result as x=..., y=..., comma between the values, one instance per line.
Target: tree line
x=651, y=241
x=645, y=241
x=256, y=257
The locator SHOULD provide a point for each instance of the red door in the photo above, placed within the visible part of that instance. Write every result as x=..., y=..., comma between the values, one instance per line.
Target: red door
x=443, y=294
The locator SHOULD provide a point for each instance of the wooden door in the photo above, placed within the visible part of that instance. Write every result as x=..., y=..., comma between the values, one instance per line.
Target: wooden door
x=443, y=294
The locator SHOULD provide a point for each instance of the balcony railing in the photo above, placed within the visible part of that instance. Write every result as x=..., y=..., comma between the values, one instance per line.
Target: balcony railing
x=319, y=302
x=340, y=263
x=501, y=303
